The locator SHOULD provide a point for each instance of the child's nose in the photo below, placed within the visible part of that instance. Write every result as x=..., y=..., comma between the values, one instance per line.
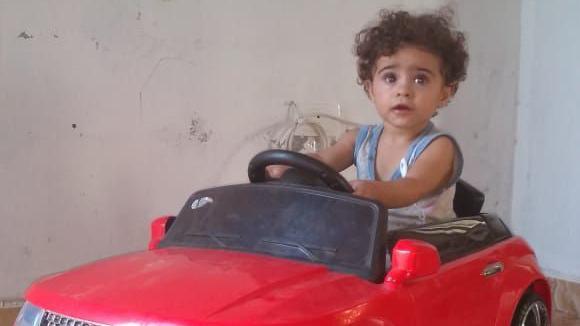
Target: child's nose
x=404, y=88
x=404, y=91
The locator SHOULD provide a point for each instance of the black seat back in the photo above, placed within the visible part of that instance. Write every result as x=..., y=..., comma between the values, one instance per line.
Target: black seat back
x=468, y=200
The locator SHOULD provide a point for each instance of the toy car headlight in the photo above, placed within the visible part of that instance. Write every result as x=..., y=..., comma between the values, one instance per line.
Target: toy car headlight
x=29, y=315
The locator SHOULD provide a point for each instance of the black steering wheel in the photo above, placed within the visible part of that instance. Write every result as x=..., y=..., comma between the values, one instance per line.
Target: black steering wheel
x=301, y=162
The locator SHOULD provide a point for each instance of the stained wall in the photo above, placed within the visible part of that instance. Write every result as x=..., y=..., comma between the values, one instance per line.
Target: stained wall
x=113, y=112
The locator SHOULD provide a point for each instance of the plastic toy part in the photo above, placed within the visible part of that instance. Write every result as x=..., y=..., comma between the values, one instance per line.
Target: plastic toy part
x=412, y=259
x=159, y=227
x=258, y=164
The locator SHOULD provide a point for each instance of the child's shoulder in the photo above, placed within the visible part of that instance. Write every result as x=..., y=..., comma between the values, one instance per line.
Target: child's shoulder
x=435, y=139
x=365, y=131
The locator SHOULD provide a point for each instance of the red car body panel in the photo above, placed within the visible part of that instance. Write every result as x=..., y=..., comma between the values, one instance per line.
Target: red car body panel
x=189, y=286
x=523, y=273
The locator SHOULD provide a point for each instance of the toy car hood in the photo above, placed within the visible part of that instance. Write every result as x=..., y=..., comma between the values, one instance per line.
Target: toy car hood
x=185, y=285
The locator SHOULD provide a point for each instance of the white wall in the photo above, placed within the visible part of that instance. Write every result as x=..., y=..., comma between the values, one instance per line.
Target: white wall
x=546, y=178
x=483, y=115
x=171, y=96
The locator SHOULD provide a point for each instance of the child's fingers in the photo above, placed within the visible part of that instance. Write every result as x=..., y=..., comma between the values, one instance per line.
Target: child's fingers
x=275, y=171
x=362, y=188
x=355, y=184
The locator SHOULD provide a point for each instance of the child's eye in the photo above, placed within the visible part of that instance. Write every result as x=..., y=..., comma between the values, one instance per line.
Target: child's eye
x=390, y=78
x=421, y=79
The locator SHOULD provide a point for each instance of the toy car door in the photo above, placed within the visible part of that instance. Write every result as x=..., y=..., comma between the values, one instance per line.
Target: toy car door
x=467, y=287
x=463, y=292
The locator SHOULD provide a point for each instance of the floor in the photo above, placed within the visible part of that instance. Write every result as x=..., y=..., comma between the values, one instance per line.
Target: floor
x=560, y=319
x=7, y=317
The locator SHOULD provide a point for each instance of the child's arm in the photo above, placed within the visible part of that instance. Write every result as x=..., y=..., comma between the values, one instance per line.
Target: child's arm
x=429, y=173
x=340, y=155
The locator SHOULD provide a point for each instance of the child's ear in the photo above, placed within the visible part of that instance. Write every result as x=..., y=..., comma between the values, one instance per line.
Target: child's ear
x=367, y=85
x=447, y=93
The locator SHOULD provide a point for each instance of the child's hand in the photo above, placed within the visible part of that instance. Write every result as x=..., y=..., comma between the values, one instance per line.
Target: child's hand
x=276, y=171
x=367, y=189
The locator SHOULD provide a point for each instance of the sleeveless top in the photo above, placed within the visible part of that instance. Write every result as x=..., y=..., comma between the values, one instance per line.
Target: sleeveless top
x=435, y=207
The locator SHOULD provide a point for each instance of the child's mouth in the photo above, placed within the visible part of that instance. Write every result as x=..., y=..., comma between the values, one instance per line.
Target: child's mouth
x=401, y=108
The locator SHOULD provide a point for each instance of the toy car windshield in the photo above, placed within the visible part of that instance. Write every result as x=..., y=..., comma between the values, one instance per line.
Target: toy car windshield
x=335, y=229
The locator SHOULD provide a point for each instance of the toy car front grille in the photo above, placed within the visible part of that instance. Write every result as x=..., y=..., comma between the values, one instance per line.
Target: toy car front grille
x=53, y=319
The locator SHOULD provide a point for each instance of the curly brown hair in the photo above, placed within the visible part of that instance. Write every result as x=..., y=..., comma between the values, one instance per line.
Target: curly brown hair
x=433, y=32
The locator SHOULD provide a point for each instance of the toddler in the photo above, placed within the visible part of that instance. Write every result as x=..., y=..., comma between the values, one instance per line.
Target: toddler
x=410, y=67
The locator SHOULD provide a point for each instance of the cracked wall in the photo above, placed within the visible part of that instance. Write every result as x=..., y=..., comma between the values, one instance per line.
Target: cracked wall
x=113, y=112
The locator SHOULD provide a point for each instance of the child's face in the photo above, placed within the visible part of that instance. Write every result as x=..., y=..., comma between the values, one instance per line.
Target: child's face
x=408, y=87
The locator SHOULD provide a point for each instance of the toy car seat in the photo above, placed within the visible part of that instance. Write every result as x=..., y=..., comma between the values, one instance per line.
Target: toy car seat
x=468, y=200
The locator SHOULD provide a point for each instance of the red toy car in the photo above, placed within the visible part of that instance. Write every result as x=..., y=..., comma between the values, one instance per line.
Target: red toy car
x=301, y=251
